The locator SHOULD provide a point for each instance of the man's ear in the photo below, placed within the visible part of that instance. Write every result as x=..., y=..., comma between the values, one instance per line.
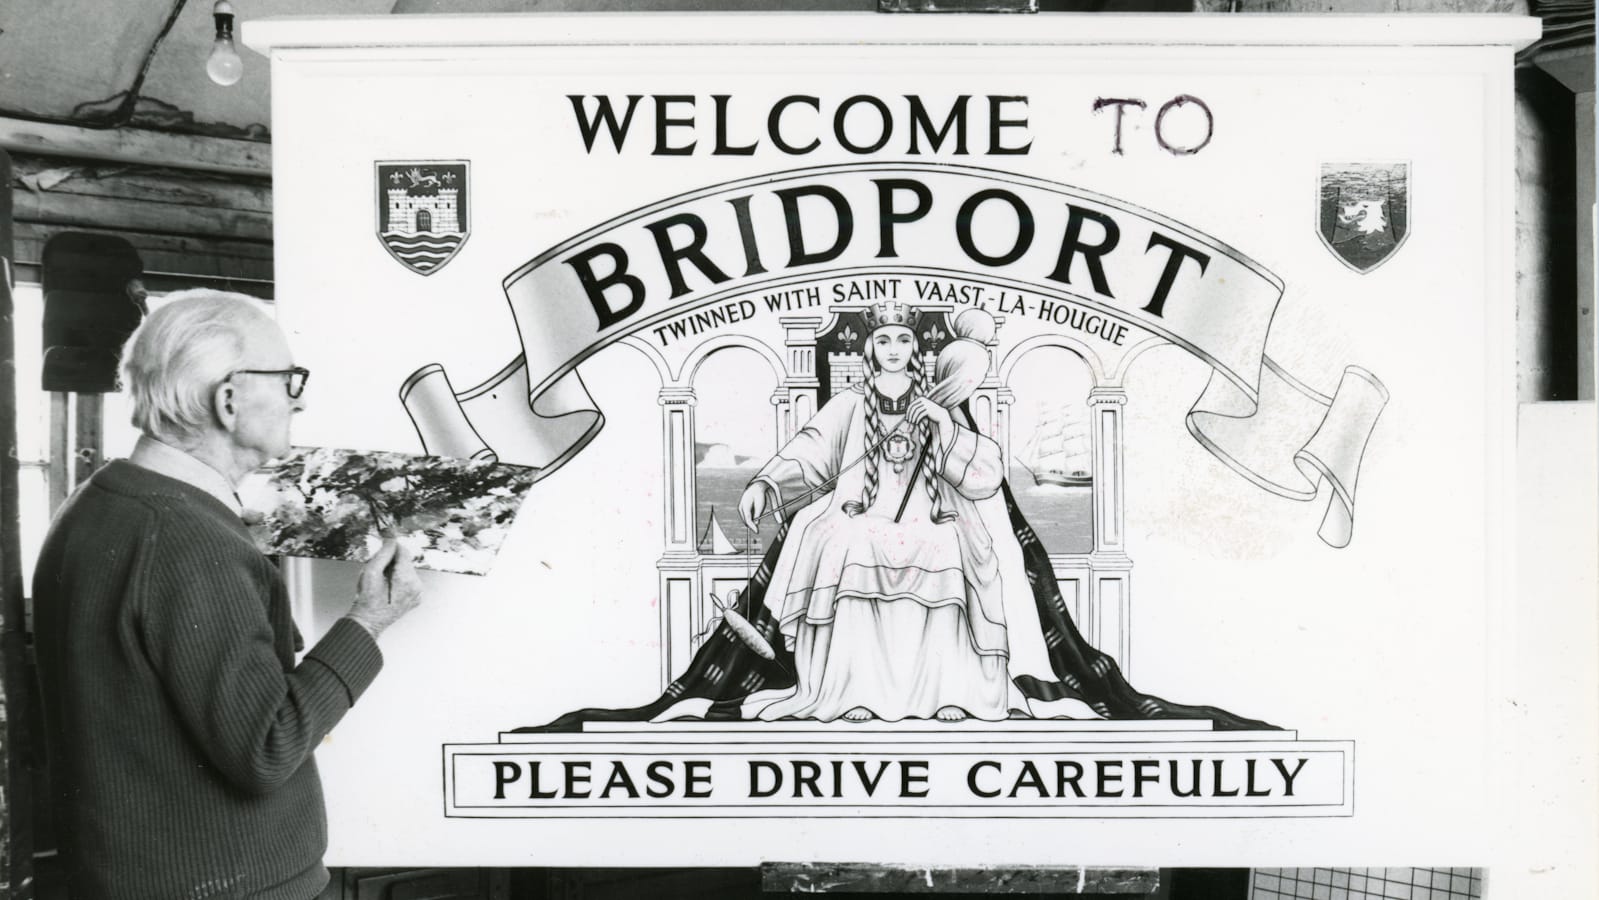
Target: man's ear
x=224, y=405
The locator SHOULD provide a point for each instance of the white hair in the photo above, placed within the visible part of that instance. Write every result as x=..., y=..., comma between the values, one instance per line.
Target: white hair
x=176, y=358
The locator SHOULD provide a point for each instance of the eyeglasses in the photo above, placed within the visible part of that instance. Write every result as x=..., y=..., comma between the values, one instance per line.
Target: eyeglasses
x=294, y=384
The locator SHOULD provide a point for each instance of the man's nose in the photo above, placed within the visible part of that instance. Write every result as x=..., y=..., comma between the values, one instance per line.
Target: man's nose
x=297, y=404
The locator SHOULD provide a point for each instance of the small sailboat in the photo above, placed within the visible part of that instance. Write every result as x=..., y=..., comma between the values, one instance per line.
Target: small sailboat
x=715, y=538
x=1057, y=453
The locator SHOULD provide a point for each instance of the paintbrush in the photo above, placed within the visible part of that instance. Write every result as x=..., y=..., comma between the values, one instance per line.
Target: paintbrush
x=386, y=527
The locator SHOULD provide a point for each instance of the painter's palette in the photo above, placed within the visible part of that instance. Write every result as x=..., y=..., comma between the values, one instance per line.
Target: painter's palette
x=327, y=503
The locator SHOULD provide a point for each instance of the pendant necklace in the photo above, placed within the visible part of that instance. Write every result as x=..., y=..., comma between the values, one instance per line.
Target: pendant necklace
x=899, y=448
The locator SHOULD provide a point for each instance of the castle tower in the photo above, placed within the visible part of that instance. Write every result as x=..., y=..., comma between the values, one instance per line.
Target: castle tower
x=438, y=211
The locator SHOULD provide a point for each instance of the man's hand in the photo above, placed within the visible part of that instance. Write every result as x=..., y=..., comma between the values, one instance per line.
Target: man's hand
x=387, y=590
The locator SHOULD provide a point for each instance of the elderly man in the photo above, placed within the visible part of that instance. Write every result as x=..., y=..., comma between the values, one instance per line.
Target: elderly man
x=180, y=726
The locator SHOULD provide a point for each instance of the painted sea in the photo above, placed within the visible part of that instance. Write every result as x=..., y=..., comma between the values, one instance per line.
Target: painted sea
x=1063, y=517
x=716, y=492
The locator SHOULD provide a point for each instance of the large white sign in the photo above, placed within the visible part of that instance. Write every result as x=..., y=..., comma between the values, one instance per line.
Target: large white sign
x=958, y=438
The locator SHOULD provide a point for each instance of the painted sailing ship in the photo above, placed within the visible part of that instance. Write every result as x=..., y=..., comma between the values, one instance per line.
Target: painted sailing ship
x=1058, y=454
x=716, y=538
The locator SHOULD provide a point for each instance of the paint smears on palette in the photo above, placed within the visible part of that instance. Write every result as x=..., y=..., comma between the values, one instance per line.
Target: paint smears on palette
x=329, y=503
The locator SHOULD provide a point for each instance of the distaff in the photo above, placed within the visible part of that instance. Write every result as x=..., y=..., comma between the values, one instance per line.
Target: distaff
x=960, y=369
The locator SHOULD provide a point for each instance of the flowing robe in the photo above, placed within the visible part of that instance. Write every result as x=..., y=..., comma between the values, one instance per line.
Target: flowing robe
x=902, y=618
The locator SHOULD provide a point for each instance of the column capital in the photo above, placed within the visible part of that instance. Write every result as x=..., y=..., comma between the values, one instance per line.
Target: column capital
x=674, y=395
x=1107, y=396
x=800, y=329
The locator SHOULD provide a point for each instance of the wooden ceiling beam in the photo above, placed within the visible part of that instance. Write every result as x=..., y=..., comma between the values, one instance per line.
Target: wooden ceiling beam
x=131, y=145
x=170, y=261
x=46, y=176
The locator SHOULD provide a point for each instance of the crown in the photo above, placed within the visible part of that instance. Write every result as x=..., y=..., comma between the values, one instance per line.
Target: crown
x=890, y=312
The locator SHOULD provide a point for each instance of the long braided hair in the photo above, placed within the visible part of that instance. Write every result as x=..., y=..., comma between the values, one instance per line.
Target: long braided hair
x=874, y=436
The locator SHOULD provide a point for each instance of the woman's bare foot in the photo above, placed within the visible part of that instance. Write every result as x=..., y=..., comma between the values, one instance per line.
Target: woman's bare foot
x=950, y=714
x=859, y=714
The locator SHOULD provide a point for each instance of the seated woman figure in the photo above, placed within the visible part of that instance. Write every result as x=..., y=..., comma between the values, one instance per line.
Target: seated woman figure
x=891, y=597
x=887, y=589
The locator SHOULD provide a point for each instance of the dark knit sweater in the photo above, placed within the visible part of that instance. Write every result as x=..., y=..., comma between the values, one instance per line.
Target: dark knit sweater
x=181, y=731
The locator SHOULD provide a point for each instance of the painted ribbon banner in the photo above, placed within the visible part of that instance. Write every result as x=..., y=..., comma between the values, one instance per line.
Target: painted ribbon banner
x=712, y=257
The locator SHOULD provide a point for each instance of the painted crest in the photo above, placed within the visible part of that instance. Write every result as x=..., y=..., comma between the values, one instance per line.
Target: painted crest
x=1364, y=212
x=422, y=212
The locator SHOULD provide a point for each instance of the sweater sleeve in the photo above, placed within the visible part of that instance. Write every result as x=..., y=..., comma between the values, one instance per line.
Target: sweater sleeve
x=202, y=619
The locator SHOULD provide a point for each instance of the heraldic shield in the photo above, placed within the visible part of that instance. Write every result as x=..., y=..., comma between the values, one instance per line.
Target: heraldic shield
x=1364, y=213
x=422, y=212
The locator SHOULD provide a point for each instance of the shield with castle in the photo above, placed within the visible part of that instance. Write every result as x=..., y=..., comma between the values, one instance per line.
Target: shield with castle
x=422, y=212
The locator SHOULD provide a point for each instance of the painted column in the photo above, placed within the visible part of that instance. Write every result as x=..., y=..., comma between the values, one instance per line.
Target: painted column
x=782, y=414
x=679, y=589
x=1004, y=398
x=1110, y=602
x=800, y=387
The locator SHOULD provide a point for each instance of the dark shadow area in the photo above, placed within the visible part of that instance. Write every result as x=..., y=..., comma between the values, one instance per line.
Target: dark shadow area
x=1205, y=884
x=1548, y=170
x=1116, y=6
x=671, y=884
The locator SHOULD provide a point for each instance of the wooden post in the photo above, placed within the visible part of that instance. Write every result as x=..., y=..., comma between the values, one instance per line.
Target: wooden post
x=60, y=448
x=16, y=827
x=89, y=446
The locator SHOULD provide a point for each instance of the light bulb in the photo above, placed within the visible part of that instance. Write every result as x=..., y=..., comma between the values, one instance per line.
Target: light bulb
x=224, y=65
